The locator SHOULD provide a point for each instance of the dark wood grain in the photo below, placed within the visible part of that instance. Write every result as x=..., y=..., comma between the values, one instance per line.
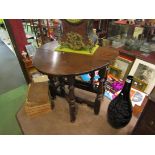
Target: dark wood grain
x=80, y=28
x=51, y=62
x=103, y=76
x=71, y=99
x=60, y=64
x=146, y=122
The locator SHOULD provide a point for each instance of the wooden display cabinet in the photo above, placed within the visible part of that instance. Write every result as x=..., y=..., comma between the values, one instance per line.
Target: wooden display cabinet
x=146, y=122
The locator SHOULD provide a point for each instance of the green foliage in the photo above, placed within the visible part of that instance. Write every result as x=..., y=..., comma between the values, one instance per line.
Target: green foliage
x=90, y=44
x=75, y=42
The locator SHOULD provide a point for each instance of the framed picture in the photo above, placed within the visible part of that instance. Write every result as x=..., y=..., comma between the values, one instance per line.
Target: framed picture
x=139, y=84
x=144, y=75
x=122, y=66
x=30, y=50
x=114, y=71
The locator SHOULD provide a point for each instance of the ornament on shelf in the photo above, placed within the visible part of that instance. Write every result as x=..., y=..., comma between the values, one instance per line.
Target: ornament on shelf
x=24, y=54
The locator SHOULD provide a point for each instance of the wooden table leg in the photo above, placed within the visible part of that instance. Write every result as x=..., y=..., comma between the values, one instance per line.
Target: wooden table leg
x=92, y=75
x=71, y=99
x=52, y=90
x=62, y=86
x=101, y=89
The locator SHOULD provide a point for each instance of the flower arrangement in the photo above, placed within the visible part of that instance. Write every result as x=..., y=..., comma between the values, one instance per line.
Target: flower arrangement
x=75, y=41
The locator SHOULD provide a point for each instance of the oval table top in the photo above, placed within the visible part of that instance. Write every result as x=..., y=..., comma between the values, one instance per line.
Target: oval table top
x=51, y=62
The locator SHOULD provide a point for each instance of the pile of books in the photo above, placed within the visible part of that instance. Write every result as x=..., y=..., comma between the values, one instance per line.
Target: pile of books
x=114, y=87
x=38, y=101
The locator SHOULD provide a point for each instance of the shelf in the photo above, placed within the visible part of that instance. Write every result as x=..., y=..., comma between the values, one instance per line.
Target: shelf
x=140, y=55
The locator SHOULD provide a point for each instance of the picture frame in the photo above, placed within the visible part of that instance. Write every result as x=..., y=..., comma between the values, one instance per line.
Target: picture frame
x=114, y=71
x=139, y=84
x=144, y=72
x=30, y=49
x=122, y=66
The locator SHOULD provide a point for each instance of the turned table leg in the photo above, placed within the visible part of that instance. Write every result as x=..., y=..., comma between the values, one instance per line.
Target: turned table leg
x=62, y=86
x=101, y=89
x=71, y=99
x=52, y=89
x=92, y=75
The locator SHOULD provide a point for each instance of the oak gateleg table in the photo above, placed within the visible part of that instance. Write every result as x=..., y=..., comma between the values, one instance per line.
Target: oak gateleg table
x=62, y=68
